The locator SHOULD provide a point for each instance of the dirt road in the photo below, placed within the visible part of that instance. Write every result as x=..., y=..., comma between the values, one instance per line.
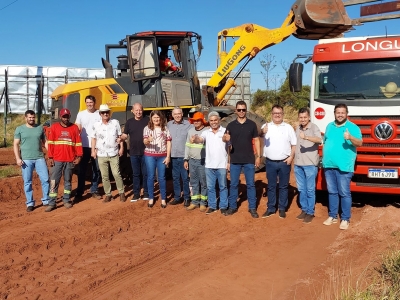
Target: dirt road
x=129, y=251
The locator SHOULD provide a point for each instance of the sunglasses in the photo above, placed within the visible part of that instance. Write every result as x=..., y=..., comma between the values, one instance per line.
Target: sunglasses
x=241, y=110
x=105, y=112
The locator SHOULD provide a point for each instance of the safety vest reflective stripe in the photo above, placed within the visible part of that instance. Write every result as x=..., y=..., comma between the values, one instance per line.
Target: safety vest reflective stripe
x=67, y=192
x=64, y=143
x=199, y=146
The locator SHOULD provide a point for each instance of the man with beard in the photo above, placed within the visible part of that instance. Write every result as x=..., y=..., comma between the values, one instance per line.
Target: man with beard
x=341, y=139
x=28, y=142
x=64, y=152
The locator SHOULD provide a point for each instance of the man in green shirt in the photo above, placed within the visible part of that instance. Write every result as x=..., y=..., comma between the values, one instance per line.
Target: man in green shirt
x=338, y=158
x=28, y=142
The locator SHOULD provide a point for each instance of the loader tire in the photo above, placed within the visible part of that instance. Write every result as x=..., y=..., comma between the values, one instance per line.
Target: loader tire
x=259, y=122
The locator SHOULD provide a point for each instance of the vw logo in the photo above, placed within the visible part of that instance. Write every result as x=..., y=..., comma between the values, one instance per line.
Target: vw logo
x=383, y=131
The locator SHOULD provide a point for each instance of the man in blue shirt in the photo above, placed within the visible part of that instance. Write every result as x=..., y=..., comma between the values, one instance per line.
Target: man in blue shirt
x=339, y=156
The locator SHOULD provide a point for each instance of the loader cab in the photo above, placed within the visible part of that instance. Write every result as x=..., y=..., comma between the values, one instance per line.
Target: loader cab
x=143, y=76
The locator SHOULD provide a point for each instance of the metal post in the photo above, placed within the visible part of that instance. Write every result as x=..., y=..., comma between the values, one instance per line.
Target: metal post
x=5, y=106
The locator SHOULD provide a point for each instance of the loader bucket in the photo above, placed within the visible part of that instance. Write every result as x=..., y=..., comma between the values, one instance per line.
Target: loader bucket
x=320, y=19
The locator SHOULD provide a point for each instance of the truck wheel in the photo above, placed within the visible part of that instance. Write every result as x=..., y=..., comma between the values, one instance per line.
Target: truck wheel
x=259, y=122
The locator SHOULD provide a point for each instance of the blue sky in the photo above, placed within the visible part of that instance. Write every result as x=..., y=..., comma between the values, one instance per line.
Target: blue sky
x=73, y=33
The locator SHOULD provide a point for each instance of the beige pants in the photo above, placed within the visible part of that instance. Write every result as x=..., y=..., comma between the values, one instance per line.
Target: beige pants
x=113, y=162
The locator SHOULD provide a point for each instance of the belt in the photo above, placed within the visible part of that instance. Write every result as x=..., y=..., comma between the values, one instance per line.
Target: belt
x=281, y=160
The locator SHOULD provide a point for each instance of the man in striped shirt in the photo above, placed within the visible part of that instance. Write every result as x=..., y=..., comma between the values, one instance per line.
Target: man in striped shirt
x=64, y=152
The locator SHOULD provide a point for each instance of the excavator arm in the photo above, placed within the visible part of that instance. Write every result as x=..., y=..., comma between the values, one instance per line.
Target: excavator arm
x=252, y=39
x=307, y=19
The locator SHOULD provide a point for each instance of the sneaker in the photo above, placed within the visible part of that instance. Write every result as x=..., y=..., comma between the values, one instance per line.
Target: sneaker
x=301, y=216
x=344, y=225
x=30, y=208
x=267, y=214
x=67, y=205
x=191, y=207
x=96, y=195
x=146, y=197
x=122, y=197
x=107, y=199
x=308, y=218
x=50, y=208
x=282, y=214
x=230, y=211
x=330, y=221
x=211, y=210
x=134, y=198
x=253, y=213
x=203, y=208
x=223, y=210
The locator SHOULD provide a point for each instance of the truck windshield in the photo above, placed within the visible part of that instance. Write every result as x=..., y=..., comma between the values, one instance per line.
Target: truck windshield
x=358, y=80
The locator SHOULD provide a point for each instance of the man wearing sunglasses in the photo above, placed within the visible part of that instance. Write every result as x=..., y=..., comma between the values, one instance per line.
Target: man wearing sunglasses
x=107, y=146
x=240, y=133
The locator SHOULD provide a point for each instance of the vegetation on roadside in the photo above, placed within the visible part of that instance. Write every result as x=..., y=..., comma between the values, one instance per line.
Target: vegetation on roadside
x=15, y=121
x=9, y=171
x=381, y=282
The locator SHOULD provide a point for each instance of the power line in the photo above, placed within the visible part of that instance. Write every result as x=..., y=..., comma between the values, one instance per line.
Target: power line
x=8, y=5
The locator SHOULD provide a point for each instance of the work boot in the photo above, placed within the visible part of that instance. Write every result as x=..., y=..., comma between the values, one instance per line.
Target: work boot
x=107, y=199
x=96, y=195
x=203, y=208
x=67, y=205
x=122, y=197
x=50, y=208
x=191, y=207
x=301, y=216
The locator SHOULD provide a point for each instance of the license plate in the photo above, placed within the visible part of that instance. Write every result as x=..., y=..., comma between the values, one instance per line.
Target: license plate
x=383, y=173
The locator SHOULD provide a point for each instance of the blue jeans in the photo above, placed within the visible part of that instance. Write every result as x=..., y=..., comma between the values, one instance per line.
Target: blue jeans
x=179, y=171
x=59, y=169
x=153, y=163
x=277, y=170
x=305, y=180
x=249, y=171
x=338, y=184
x=86, y=157
x=212, y=176
x=139, y=173
x=27, y=171
x=198, y=181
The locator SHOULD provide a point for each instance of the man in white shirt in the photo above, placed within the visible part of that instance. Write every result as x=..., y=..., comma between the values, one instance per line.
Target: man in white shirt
x=85, y=120
x=106, y=137
x=216, y=162
x=279, y=148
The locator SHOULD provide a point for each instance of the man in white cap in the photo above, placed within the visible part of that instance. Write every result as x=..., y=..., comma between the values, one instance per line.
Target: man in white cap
x=107, y=146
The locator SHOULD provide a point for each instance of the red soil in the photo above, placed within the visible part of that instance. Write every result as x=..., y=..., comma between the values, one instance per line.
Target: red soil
x=128, y=251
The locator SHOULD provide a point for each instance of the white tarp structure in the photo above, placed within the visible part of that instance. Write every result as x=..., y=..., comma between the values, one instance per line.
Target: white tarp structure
x=23, y=82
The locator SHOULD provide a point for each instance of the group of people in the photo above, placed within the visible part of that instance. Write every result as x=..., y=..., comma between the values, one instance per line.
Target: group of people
x=199, y=152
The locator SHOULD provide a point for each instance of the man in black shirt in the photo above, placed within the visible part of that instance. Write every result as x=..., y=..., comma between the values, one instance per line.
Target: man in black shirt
x=134, y=128
x=240, y=134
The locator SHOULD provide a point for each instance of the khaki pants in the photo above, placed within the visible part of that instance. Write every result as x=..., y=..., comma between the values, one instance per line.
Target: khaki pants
x=113, y=162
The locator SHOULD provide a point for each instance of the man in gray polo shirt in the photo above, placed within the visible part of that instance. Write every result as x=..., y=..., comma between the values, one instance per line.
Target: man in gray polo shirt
x=178, y=127
x=306, y=162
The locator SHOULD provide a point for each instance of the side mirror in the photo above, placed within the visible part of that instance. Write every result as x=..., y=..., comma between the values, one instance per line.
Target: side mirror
x=296, y=77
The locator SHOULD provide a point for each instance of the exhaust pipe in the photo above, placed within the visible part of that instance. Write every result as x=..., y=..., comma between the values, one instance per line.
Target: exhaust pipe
x=108, y=67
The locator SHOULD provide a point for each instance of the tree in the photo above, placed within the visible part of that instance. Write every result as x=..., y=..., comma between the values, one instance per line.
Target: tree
x=268, y=64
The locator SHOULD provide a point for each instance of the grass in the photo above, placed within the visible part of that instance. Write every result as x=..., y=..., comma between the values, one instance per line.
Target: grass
x=9, y=171
x=16, y=120
x=379, y=283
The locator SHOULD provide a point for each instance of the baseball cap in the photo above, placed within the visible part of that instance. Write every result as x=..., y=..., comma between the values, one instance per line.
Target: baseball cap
x=64, y=111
